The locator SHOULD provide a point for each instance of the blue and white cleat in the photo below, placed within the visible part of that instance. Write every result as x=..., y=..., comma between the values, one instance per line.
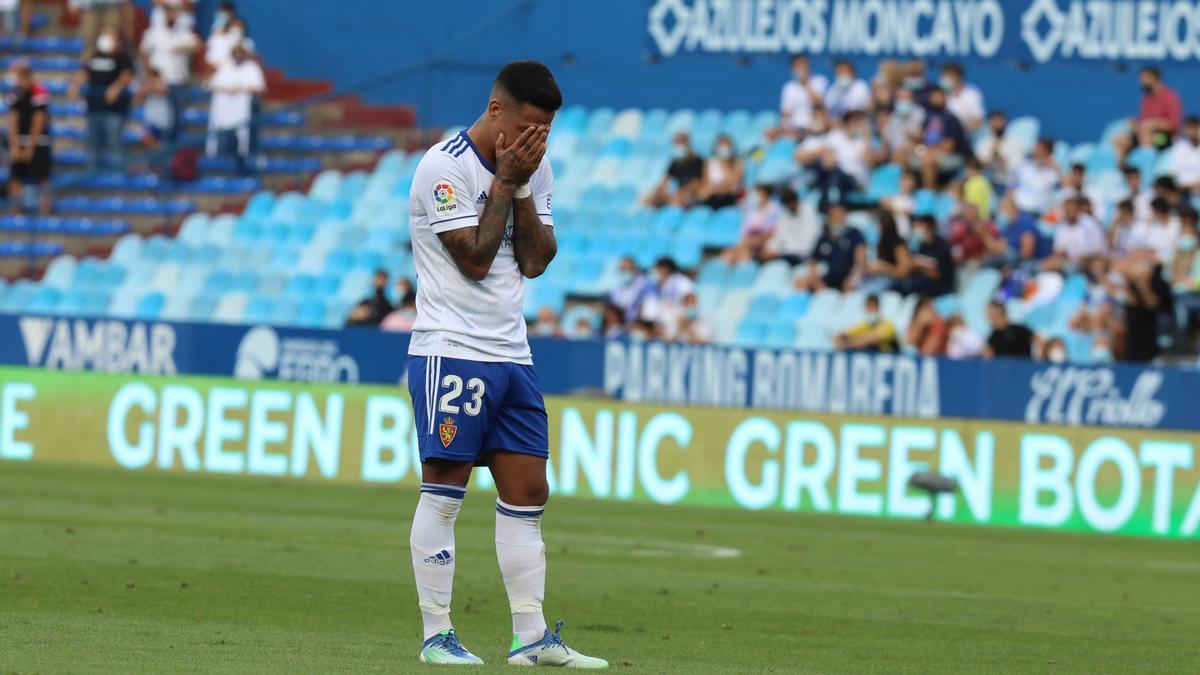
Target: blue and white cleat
x=444, y=649
x=551, y=651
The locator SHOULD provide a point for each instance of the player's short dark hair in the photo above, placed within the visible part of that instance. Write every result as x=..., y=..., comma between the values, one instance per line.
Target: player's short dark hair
x=955, y=68
x=1166, y=183
x=530, y=82
x=1078, y=166
x=1160, y=205
x=872, y=299
x=1152, y=71
x=667, y=263
x=1125, y=205
x=1129, y=169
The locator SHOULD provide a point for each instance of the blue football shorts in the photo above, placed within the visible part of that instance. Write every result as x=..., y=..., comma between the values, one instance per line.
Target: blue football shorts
x=465, y=409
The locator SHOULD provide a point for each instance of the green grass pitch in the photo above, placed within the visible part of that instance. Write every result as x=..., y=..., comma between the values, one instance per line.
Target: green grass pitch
x=109, y=572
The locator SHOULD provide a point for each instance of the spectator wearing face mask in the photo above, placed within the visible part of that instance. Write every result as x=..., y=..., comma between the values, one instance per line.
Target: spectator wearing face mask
x=168, y=48
x=105, y=78
x=1139, y=195
x=96, y=16
x=1185, y=249
x=873, y=334
x=916, y=82
x=1075, y=184
x=933, y=271
x=759, y=222
x=904, y=127
x=1054, y=351
x=1035, y=181
x=798, y=230
x=184, y=12
x=1160, y=115
x=226, y=10
x=848, y=93
x=800, y=95
x=721, y=183
x=1025, y=244
x=683, y=178
x=847, y=162
x=234, y=86
x=547, y=324
x=632, y=290
x=961, y=341
x=612, y=322
x=963, y=100
x=1156, y=237
x=997, y=151
x=1185, y=158
x=943, y=144
x=219, y=48
x=892, y=262
x=1007, y=338
x=839, y=259
x=1076, y=238
x=1120, y=230
x=669, y=287
x=690, y=326
x=29, y=137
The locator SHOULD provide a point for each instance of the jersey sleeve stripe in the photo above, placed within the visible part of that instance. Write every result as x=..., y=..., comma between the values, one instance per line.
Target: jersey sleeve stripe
x=439, y=222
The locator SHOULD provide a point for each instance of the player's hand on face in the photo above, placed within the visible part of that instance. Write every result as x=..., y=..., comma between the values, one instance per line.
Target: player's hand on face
x=517, y=161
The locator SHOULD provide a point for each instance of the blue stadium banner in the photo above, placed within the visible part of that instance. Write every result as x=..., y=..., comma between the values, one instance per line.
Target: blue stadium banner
x=1037, y=31
x=898, y=385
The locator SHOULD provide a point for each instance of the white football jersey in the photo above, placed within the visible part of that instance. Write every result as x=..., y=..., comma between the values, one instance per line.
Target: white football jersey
x=458, y=317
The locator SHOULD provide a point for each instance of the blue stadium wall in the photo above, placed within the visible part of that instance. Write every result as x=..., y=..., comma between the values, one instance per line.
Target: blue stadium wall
x=1069, y=62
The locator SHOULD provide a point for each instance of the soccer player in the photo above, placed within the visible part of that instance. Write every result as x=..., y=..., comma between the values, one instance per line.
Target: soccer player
x=481, y=223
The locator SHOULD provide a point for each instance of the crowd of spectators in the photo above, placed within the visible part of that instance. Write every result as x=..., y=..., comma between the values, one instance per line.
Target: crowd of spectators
x=119, y=71
x=1035, y=220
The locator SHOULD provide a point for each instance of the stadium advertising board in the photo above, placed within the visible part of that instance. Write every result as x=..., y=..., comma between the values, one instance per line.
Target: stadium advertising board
x=731, y=377
x=1031, y=30
x=1012, y=474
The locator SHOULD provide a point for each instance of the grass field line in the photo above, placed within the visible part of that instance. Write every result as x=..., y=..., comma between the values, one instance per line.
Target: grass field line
x=656, y=548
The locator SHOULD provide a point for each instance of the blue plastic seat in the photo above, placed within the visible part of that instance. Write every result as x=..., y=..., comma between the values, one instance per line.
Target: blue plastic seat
x=762, y=307
x=793, y=306
x=150, y=306
x=750, y=333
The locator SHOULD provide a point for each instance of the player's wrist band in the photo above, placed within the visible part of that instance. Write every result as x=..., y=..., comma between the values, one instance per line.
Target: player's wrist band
x=522, y=192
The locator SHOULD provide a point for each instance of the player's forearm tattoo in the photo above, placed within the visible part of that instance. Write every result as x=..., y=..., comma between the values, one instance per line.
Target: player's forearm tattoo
x=533, y=241
x=474, y=248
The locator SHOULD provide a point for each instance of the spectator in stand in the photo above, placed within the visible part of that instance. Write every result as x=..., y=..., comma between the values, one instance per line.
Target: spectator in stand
x=961, y=341
x=1007, y=338
x=916, y=82
x=107, y=75
x=372, y=309
x=840, y=258
x=690, y=326
x=932, y=270
x=847, y=93
x=1160, y=116
x=1185, y=249
x=998, y=152
x=97, y=16
x=226, y=10
x=1166, y=188
x=29, y=137
x=813, y=148
x=759, y=222
x=1074, y=184
x=903, y=204
x=944, y=144
x=893, y=260
x=1025, y=243
x=1035, y=181
x=1139, y=195
x=977, y=189
x=15, y=16
x=234, y=86
x=1053, y=350
x=612, y=322
x=152, y=96
x=683, y=178
x=184, y=12
x=1077, y=238
x=401, y=318
x=168, y=48
x=1185, y=158
x=928, y=332
x=632, y=290
x=962, y=99
x=873, y=334
x=848, y=161
x=903, y=127
x=798, y=230
x=1120, y=230
x=547, y=323
x=669, y=288
x=889, y=79
x=721, y=183
x=1148, y=299
x=1156, y=237
x=974, y=239
x=800, y=95
x=219, y=48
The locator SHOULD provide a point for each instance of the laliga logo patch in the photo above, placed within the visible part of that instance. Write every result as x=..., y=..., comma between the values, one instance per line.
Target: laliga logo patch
x=447, y=431
x=443, y=195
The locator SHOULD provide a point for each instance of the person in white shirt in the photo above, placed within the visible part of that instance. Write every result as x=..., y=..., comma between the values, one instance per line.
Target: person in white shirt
x=904, y=126
x=234, y=86
x=963, y=100
x=847, y=93
x=903, y=204
x=184, y=11
x=669, y=288
x=997, y=151
x=688, y=325
x=1185, y=157
x=1136, y=192
x=481, y=223
x=219, y=47
x=1035, y=181
x=1074, y=183
x=168, y=48
x=845, y=162
x=799, y=96
x=1077, y=238
x=1158, y=235
x=797, y=231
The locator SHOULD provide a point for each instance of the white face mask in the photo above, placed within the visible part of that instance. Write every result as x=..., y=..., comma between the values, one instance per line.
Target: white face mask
x=1057, y=355
x=106, y=43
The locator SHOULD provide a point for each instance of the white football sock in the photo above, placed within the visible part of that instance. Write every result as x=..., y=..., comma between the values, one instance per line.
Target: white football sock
x=522, y=557
x=432, y=544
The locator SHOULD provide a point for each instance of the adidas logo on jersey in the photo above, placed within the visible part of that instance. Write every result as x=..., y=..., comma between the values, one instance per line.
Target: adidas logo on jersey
x=443, y=557
x=481, y=199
